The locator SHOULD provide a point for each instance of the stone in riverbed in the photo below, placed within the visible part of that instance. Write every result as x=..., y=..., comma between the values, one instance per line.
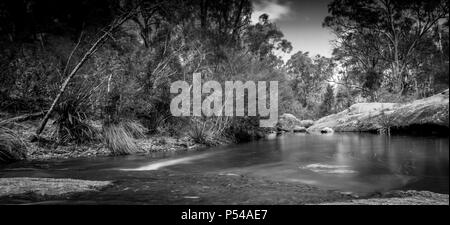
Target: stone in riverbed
x=326, y=130
x=306, y=123
x=288, y=122
x=299, y=129
x=47, y=186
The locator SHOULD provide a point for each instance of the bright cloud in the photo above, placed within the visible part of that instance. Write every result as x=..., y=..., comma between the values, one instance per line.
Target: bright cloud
x=273, y=8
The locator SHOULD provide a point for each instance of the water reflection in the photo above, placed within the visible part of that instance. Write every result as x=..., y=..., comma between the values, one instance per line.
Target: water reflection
x=350, y=162
x=347, y=162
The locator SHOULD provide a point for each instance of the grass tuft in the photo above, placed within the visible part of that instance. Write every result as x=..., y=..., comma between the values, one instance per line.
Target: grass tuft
x=120, y=137
x=71, y=121
x=12, y=148
x=199, y=132
x=135, y=128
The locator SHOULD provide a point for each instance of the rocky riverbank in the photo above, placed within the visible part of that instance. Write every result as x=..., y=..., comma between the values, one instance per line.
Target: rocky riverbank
x=175, y=188
x=46, y=149
x=399, y=198
x=47, y=186
x=166, y=188
x=427, y=116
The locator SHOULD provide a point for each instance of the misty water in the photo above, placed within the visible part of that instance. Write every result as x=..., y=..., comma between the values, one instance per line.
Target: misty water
x=357, y=163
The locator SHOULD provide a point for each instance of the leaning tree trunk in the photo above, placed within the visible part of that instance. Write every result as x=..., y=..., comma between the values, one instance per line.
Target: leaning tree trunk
x=86, y=56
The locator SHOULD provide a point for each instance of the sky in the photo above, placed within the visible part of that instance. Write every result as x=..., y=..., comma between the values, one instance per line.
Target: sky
x=300, y=21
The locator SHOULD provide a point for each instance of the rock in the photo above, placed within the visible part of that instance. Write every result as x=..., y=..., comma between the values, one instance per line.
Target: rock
x=306, y=123
x=363, y=117
x=327, y=130
x=299, y=129
x=287, y=122
x=400, y=198
x=47, y=186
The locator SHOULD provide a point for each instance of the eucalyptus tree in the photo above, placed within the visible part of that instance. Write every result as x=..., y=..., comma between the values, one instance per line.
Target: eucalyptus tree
x=308, y=76
x=397, y=29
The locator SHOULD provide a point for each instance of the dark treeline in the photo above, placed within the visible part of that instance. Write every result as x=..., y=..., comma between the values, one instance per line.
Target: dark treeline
x=385, y=51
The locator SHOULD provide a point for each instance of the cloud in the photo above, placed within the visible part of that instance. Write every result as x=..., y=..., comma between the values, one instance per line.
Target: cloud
x=273, y=8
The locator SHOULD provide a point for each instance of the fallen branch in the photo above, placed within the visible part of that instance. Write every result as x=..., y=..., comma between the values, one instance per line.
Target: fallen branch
x=25, y=117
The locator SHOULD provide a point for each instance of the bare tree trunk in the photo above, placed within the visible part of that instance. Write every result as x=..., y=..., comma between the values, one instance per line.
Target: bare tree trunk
x=203, y=13
x=86, y=56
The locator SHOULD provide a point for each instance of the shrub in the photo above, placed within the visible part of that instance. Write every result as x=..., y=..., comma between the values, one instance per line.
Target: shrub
x=208, y=131
x=386, y=122
x=244, y=129
x=72, y=124
x=199, y=132
x=120, y=137
x=134, y=128
x=12, y=148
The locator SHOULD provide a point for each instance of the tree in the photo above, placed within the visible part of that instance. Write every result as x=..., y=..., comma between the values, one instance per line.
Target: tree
x=264, y=37
x=326, y=107
x=308, y=75
x=397, y=27
x=115, y=24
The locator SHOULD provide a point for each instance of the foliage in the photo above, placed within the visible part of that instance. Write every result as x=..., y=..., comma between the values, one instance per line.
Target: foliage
x=392, y=46
x=134, y=128
x=126, y=84
x=72, y=124
x=308, y=77
x=120, y=137
x=264, y=37
x=326, y=107
x=12, y=147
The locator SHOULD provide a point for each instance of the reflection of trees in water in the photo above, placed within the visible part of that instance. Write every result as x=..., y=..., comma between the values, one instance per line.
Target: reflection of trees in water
x=253, y=153
x=399, y=155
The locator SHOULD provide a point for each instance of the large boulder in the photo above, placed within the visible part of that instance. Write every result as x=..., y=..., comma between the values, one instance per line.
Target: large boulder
x=327, y=130
x=306, y=123
x=287, y=122
x=375, y=116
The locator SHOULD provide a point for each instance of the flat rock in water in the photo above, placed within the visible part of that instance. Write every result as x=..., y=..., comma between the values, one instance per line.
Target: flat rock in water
x=47, y=186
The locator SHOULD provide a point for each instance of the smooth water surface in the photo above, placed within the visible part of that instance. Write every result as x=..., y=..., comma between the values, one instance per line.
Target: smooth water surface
x=359, y=163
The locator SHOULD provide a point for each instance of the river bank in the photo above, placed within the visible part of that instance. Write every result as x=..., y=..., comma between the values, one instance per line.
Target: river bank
x=165, y=188
x=46, y=149
x=175, y=188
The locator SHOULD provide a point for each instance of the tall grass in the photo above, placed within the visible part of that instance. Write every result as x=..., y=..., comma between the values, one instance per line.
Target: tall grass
x=134, y=128
x=199, y=132
x=386, y=123
x=120, y=137
x=12, y=148
x=209, y=131
x=71, y=121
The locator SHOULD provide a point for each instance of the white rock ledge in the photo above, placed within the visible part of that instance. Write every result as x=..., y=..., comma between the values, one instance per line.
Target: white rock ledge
x=47, y=186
